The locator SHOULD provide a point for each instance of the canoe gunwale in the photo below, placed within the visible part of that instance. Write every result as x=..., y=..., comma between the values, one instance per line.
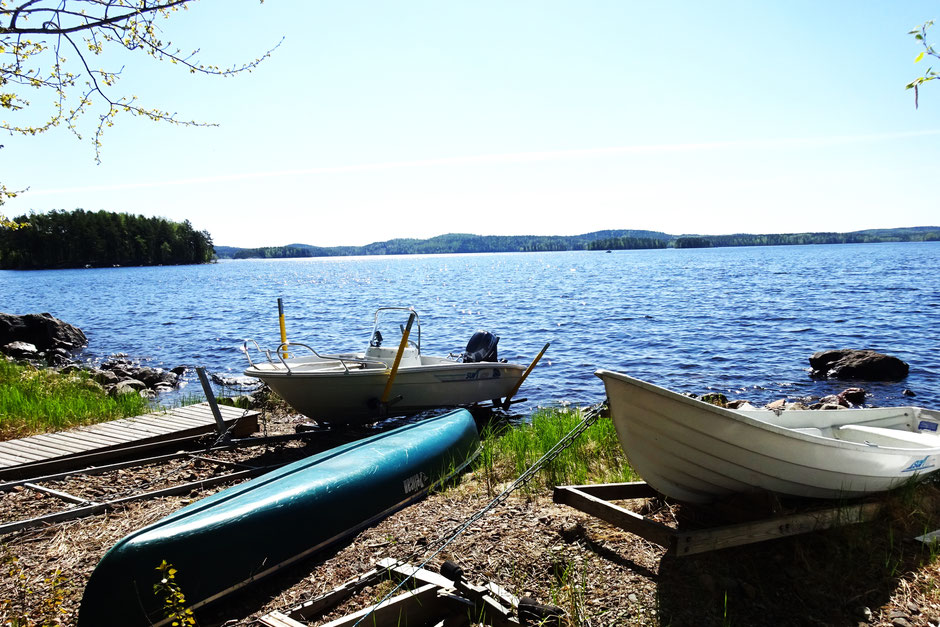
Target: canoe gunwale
x=417, y=496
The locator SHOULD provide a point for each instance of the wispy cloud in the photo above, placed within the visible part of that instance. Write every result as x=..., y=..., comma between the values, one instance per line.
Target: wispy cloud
x=517, y=157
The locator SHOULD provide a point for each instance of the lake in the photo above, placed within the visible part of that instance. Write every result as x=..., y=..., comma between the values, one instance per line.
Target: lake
x=742, y=321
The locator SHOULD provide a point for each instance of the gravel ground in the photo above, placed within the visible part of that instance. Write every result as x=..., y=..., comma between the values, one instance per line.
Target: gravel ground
x=872, y=574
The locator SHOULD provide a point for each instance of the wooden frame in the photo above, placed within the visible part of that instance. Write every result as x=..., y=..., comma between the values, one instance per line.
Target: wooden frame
x=595, y=500
x=430, y=599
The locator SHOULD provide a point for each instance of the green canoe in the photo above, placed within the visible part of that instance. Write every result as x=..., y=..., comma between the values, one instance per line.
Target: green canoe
x=227, y=540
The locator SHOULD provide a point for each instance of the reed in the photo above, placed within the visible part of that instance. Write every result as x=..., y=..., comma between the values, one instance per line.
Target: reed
x=594, y=457
x=36, y=401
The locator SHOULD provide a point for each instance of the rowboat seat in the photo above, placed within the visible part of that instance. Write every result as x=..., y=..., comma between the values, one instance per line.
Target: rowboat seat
x=879, y=436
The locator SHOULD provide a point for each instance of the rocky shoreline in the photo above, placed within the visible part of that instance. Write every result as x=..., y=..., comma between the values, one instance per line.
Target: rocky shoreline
x=47, y=342
x=44, y=341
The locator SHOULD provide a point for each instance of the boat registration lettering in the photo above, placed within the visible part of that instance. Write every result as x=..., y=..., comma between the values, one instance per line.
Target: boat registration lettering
x=415, y=483
x=926, y=425
x=920, y=464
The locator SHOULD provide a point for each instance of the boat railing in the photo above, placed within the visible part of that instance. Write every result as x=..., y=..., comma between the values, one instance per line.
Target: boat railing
x=286, y=347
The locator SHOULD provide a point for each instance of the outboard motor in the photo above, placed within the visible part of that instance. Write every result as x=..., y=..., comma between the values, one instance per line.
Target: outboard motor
x=481, y=347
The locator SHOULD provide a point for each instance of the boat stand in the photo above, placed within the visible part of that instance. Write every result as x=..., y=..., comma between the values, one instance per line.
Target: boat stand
x=427, y=599
x=596, y=501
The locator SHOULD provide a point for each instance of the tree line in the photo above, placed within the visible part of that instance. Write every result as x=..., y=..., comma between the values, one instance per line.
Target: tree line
x=463, y=243
x=79, y=238
x=796, y=239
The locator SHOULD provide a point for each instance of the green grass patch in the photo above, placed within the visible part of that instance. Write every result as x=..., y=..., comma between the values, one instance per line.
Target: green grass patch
x=594, y=457
x=37, y=401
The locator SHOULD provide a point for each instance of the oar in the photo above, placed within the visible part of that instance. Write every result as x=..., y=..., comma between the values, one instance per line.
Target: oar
x=524, y=375
x=401, y=351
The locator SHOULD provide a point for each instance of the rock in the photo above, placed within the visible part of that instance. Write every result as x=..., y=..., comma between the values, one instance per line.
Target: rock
x=128, y=386
x=42, y=330
x=833, y=399
x=179, y=371
x=715, y=398
x=852, y=396
x=739, y=404
x=907, y=392
x=777, y=404
x=21, y=350
x=865, y=365
x=105, y=377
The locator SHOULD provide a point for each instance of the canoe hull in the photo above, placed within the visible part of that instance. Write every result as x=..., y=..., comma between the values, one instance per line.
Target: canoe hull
x=234, y=537
x=696, y=452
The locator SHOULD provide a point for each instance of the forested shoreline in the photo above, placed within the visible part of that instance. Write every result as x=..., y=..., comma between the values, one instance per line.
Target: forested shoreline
x=79, y=239
x=599, y=240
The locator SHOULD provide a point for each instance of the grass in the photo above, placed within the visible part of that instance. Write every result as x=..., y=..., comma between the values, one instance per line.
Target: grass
x=594, y=457
x=37, y=401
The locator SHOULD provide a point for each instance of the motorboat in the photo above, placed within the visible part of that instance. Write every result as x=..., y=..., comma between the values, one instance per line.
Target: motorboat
x=390, y=377
x=698, y=452
x=226, y=541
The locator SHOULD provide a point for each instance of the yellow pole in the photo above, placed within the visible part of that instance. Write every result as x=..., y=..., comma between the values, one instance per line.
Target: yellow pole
x=280, y=319
x=524, y=375
x=401, y=351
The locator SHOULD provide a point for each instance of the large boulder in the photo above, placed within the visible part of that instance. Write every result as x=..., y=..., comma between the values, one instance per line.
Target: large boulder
x=43, y=331
x=864, y=365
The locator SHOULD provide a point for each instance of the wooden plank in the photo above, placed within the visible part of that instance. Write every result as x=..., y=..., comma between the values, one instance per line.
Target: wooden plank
x=62, y=442
x=173, y=421
x=46, y=450
x=192, y=412
x=127, y=432
x=615, y=515
x=276, y=619
x=97, y=508
x=110, y=431
x=417, y=605
x=65, y=496
x=12, y=459
x=700, y=541
x=618, y=491
x=26, y=452
x=93, y=440
x=335, y=596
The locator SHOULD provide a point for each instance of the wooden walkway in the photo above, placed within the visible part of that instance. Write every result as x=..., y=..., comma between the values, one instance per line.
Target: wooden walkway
x=107, y=440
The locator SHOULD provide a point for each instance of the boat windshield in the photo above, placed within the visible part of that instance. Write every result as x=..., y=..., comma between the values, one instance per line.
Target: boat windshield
x=390, y=325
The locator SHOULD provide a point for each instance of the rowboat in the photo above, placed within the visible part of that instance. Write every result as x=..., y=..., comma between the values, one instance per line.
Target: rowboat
x=697, y=452
x=228, y=540
x=387, y=378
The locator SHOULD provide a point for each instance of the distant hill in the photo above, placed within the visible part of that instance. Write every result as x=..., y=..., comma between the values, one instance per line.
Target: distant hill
x=621, y=239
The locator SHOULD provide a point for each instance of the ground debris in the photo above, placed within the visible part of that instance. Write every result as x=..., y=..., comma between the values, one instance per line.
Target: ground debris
x=599, y=575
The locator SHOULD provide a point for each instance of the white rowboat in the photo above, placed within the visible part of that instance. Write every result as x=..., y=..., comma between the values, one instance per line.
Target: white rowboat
x=353, y=388
x=697, y=452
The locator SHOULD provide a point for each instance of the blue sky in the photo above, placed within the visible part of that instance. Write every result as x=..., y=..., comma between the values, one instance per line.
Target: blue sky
x=376, y=120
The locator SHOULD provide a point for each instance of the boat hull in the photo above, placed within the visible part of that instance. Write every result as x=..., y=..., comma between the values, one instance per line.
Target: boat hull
x=230, y=539
x=345, y=397
x=697, y=452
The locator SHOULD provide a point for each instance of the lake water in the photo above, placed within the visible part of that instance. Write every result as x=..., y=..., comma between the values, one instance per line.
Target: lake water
x=742, y=321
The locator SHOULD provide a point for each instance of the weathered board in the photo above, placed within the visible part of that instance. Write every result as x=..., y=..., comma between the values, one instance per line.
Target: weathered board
x=52, y=451
x=594, y=500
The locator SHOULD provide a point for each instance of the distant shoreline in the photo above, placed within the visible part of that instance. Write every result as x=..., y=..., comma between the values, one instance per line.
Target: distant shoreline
x=459, y=243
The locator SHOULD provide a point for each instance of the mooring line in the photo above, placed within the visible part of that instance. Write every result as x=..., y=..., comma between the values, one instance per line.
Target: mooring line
x=591, y=414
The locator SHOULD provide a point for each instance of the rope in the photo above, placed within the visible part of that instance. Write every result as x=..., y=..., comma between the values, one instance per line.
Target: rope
x=591, y=414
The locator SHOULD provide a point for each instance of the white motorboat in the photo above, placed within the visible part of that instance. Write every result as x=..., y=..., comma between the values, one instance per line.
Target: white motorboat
x=697, y=452
x=388, y=378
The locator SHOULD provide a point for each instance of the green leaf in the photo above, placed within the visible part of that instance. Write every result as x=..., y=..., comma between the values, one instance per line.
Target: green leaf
x=919, y=57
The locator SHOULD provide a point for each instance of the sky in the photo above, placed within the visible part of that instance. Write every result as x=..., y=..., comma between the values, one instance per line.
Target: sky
x=375, y=120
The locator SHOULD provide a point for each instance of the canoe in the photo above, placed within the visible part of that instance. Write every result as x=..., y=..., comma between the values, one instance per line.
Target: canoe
x=697, y=452
x=350, y=388
x=226, y=541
